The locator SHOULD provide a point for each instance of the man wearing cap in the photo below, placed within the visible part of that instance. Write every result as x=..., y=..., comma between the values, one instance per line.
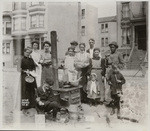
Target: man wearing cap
x=73, y=44
x=46, y=99
x=115, y=57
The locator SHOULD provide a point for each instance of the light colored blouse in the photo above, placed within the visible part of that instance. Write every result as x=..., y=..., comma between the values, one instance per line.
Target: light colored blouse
x=82, y=59
x=69, y=62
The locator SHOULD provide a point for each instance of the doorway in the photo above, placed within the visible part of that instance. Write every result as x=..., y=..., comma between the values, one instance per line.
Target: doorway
x=140, y=36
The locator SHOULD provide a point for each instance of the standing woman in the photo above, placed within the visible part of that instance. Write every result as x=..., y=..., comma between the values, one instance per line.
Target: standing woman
x=83, y=64
x=46, y=63
x=36, y=55
x=98, y=67
x=28, y=82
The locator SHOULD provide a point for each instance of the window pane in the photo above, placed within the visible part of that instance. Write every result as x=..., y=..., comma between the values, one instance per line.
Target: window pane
x=3, y=28
x=125, y=10
x=83, y=13
x=23, y=5
x=102, y=41
x=83, y=30
x=41, y=20
x=16, y=5
x=8, y=27
x=106, y=27
x=7, y=48
x=106, y=41
x=16, y=24
x=23, y=23
x=33, y=21
x=102, y=28
x=3, y=48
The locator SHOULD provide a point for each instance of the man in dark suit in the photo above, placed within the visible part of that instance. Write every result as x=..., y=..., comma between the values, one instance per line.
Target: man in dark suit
x=46, y=100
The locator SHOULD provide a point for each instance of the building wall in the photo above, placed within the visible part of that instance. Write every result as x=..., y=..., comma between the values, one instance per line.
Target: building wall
x=63, y=18
x=91, y=25
x=111, y=35
x=119, y=31
x=7, y=46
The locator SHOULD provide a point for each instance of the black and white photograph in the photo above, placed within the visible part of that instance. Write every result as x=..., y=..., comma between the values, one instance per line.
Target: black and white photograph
x=75, y=65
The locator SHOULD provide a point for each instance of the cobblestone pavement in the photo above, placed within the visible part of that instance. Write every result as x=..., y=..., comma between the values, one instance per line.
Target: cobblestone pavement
x=135, y=105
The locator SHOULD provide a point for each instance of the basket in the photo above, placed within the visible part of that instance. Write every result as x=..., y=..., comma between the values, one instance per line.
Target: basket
x=29, y=79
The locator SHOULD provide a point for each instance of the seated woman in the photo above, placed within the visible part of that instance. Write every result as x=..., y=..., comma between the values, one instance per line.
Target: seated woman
x=70, y=71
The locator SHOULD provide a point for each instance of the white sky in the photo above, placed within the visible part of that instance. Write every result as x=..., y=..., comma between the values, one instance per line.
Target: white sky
x=105, y=8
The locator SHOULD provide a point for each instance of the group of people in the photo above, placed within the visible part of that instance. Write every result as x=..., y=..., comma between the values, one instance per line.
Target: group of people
x=87, y=66
x=96, y=73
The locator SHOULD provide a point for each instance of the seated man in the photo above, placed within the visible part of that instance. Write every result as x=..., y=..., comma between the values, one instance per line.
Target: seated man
x=46, y=100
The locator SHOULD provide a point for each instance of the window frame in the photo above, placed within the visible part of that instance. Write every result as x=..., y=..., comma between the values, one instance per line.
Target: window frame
x=83, y=30
x=7, y=28
x=83, y=13
x=102, y=42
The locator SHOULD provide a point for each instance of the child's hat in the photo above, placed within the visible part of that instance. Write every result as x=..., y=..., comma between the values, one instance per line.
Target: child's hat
x=94, y=74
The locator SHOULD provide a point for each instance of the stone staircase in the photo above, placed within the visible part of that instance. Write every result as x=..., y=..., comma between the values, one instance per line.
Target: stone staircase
x=137, y=57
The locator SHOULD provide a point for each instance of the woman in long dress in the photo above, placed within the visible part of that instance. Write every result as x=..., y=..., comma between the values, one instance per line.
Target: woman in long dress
x=36, y=55
x=27, y=88
x=46, y=63
x=98, y=67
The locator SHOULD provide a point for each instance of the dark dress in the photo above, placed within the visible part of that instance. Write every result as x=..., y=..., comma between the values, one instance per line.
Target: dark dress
x=27, y=89
x=47, y=71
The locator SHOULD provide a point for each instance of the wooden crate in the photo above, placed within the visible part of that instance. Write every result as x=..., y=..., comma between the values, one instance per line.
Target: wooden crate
x=71, y=94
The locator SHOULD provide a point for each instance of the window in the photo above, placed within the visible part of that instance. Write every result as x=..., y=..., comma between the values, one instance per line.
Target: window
x=41, y=20
x=37, y=3
x=3, y=48
x=83, y=13
x=83, y=31
x=16, y=25
x=125, y=10
x=7, y=48
x=106, y=41
x=42, y=41
x=106, y=27
x=102, y=28
x=16, y=5
x=8, y=27
x=33, y=21
x=3, y=28
x=23, y=23
x=23, y=5
x=126, y=35
x=102, y=41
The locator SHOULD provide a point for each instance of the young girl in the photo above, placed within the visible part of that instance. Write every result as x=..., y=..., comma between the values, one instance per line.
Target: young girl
x=93, y=89
x=70, y=70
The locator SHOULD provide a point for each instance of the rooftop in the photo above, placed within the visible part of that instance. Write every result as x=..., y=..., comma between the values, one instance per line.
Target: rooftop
x=107, y=19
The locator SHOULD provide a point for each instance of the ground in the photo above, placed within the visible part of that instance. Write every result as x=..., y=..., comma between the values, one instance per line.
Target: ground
x=134, y=107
